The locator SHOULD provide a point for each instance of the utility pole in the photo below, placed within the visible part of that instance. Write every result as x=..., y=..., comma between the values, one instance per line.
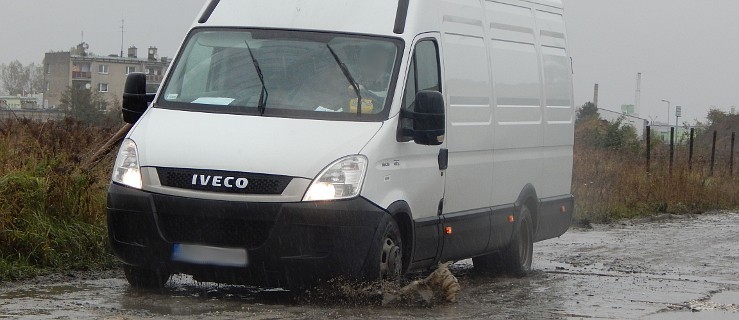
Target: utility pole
x=637, y=103
x=123, y=24
x=678, y=114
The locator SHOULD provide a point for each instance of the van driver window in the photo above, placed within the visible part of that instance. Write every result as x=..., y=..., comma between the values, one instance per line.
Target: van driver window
x=424, y=72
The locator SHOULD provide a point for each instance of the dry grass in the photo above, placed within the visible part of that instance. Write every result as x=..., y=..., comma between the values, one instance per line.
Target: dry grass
x=611, y=185
x=52, y=211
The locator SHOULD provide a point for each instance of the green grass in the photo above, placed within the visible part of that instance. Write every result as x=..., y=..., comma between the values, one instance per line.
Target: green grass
x=52, y=211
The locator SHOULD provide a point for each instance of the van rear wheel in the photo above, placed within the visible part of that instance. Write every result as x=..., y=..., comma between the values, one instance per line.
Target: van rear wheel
x=143, y=278
x=516, y=258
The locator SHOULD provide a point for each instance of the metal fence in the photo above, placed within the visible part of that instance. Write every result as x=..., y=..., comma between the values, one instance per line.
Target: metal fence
x=35, y=115
x=708, y=154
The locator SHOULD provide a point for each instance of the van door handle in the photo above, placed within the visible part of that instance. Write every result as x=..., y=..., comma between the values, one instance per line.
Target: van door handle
x=443, y=159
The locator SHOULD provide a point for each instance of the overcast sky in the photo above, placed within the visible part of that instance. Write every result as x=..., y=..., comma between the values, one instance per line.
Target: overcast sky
x=687, y=50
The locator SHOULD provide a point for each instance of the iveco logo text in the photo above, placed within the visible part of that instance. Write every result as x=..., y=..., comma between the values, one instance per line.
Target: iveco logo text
x=219, y=181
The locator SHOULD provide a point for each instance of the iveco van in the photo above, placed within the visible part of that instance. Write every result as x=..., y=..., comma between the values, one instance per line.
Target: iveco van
x=294, y=140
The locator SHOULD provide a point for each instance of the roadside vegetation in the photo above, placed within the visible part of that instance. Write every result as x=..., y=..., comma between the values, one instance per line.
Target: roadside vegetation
x=52, y=205
x=51, y=208
x=611, y=181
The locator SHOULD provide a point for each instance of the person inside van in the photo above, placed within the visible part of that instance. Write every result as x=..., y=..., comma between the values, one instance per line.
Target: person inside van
x=373, y=76
x=328, y=90
x=375, y=69
x=325, y=90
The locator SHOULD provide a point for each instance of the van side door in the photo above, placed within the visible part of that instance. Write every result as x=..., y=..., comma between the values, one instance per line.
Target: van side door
x=425, y=171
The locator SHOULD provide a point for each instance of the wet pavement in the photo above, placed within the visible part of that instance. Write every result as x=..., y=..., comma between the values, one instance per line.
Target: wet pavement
x=670, y=268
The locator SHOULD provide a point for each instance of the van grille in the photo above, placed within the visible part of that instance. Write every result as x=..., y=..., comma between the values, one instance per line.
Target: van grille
x=262, y=184
x=214, y=231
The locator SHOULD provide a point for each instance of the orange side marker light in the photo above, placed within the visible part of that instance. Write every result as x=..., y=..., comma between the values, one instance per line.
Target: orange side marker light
x=563, y=209
x=511, y=219
x=448, y=230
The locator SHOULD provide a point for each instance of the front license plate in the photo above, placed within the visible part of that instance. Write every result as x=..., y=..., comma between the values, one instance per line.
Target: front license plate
x=206, y=255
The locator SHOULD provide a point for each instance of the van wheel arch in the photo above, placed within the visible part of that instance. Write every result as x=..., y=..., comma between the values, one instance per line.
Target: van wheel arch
x=400, y=211
x=529, y=198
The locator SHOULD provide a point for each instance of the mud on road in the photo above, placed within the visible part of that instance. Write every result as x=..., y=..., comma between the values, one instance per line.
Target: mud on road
x=672, y=268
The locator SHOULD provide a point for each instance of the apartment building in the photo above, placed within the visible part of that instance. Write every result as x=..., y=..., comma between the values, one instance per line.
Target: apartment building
x=105, y=74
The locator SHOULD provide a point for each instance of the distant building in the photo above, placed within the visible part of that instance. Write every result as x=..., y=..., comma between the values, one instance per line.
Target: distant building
x=662, y=131
x=639, y=124
x=27, y=107
x=104, y=74
x=21, y=102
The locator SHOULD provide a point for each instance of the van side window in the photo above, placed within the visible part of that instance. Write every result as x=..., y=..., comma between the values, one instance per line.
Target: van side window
x=424, y=72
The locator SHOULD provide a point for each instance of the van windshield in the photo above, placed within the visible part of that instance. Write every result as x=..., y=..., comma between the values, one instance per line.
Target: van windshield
x=218, y=72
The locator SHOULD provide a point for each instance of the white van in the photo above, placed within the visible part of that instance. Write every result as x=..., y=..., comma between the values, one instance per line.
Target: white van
x=294, y=141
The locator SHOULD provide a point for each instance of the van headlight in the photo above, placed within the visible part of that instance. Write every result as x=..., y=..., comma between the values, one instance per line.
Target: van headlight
x=341, y=180
x=127, y=171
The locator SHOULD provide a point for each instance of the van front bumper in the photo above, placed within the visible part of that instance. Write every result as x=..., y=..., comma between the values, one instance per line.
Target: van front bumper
x=288, y=244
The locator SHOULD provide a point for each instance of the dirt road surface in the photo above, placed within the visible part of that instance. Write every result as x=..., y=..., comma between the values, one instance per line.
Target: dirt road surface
x=671, y=268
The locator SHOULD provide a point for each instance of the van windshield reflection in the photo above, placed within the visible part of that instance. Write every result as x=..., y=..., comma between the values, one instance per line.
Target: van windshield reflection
x=218, y=73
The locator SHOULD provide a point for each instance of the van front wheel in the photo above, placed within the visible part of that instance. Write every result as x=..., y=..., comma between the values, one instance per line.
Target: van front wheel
x=386, y=256
x=142, y=278
x=516, y=257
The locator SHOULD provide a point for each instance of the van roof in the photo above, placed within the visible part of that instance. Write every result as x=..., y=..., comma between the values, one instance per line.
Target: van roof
x=379, y=17
x=370, y=17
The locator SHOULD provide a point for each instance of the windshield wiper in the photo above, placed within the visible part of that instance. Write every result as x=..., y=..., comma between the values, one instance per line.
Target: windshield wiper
x=349, y=77
x=264, y=95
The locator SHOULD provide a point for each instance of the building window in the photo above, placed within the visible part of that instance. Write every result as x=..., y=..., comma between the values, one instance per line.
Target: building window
x=147, y=71
x=48, y=69
x=103, y=69
x=48, y=86
x=103, y=87
x=130, y=70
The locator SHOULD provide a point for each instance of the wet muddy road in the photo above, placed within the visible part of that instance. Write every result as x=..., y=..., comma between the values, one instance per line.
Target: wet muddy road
x=674, y=268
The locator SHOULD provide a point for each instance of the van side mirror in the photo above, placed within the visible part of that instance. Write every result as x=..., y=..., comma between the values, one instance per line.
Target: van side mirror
x=428, y=119
x=135, y=98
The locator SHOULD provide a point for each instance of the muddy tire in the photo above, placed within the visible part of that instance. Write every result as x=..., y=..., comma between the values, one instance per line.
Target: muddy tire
x=515, y=259
x=385, y=259
x=142, y=278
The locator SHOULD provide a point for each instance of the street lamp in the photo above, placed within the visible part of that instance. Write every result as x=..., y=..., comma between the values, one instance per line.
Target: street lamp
x=668, y=111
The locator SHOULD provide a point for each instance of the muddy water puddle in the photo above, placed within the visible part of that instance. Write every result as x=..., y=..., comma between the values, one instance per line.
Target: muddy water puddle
x=678, y=269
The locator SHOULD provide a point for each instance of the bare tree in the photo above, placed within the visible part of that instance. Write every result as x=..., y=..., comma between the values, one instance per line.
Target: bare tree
x=15, y=78
x=36, y=82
